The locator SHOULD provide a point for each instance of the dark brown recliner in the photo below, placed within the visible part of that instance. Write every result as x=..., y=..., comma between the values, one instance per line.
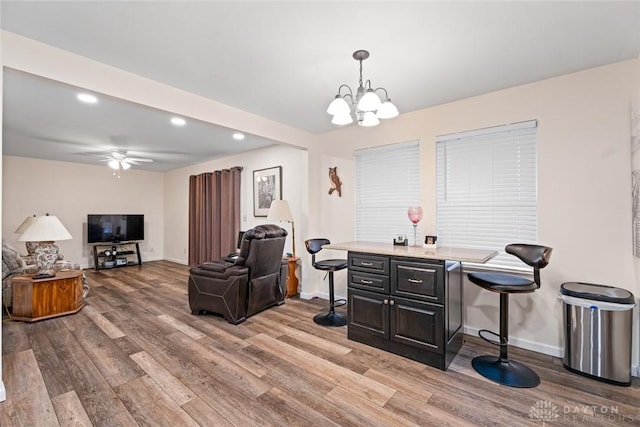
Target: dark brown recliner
x=255, y=281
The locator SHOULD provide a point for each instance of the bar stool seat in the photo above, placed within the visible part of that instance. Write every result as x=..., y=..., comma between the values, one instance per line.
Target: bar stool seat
x=501, y=369
x=330, y=266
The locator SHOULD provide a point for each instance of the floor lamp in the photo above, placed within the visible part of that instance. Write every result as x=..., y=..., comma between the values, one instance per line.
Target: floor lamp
x=279, y=211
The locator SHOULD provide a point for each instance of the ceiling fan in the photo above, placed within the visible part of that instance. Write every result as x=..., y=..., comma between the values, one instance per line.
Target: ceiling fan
x=119, y=160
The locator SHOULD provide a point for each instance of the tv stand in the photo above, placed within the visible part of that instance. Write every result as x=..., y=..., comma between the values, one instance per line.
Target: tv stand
x=112, y=255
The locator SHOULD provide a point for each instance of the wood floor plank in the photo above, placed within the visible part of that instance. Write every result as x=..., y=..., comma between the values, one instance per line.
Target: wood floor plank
x=313, y=340
x=27, y=400
x=105, y=325
x=70, y=411
x=106, y=356
x=204, y=414
x=372, y=390
x=169, y=384
x=374, y=414
x=135, y=355
x=150, y=405
x=182, y=327
x=200, y=355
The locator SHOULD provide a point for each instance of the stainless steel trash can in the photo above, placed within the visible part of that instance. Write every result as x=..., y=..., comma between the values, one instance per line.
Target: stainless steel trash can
x=597, y=331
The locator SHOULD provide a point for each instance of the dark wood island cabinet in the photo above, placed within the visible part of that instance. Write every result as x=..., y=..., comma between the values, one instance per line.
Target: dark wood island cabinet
x=407, y=300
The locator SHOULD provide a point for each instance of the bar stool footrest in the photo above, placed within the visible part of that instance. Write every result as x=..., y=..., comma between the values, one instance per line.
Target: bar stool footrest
x=501, y=341
x=339, y=302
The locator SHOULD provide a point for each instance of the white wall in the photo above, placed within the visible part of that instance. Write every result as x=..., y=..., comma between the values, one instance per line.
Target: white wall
x=584, y=185
x=71, y=191
x=294, y=189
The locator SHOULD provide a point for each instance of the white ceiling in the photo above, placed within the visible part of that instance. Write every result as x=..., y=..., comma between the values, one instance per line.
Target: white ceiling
x=285, y=60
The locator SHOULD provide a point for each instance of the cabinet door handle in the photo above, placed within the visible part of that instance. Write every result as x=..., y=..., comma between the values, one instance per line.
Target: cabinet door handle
x=366, y=282
x=392, y=302
x=366, y=264
x=385, y=301
x=414, y=281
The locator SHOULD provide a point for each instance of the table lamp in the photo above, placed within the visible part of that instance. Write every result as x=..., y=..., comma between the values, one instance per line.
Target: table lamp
x=45, y=230
x=280, y=211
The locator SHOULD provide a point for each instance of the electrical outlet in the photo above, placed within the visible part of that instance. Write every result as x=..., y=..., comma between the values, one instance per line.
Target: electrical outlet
x=244, y=217
x=185, y=250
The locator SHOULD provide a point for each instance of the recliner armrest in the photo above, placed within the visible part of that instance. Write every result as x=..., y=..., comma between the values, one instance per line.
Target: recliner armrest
x=219, y=270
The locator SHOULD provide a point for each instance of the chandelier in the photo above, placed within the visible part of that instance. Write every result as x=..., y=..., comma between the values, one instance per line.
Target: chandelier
x=366, y=104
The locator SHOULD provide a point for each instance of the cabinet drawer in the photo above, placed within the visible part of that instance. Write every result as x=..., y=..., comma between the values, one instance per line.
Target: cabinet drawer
x=369, y=282
x=369, y=263
x=417, y=324
x=418, y=280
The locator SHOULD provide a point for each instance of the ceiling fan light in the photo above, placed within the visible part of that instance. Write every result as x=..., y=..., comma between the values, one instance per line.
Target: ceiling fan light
x=369, y=119
x=87, y=98
x=178, y=121
x=125, y=165
x=369, y=101
x=114, y=164
x=342, y=119
x=338, y=106
x=387, y=110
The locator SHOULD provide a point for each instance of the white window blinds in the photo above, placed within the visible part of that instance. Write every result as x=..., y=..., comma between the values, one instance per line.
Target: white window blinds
x=486, y=189
x=387, y=183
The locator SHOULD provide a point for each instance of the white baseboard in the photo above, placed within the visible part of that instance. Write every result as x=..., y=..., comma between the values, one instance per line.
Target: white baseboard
x=3, y=392
x=320, y=295
x=177, y=261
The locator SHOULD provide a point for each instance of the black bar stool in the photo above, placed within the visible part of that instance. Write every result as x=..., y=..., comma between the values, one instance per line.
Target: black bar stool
x=501, y=369
x=329, y=265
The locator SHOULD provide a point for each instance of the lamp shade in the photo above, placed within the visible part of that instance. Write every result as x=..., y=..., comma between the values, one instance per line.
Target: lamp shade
x=279, y=211
x=338, y=106
x=25, y=224
x=46, y=228
x=369, y=102
x=387, y=110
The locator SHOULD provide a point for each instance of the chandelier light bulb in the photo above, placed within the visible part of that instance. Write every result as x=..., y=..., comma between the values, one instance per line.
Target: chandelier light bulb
x=114, y=164
x=369, y=119
x=125, y=165
x=342, y=119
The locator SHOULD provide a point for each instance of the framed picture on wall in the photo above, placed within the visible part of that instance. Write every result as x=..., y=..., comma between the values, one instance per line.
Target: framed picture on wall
x=267, y=187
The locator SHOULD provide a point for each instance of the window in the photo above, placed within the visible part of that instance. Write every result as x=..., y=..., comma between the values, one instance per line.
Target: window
x=486, y=189
x=387, y=183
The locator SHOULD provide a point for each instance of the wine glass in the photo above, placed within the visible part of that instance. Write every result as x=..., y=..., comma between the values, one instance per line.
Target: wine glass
x=415, y=215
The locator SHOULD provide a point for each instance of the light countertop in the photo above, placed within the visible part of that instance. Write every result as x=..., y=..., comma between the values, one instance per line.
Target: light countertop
x=441, y=253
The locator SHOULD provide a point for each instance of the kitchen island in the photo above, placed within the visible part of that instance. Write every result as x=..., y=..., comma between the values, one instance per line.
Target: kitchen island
x=408, y=300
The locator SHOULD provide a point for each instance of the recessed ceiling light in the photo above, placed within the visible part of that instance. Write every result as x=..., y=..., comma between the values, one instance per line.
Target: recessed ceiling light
x=87, y=98
x=238, y=136
x=178, y=121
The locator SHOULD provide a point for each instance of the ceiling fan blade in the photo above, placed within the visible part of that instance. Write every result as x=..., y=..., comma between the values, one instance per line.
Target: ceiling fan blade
x=134, y=159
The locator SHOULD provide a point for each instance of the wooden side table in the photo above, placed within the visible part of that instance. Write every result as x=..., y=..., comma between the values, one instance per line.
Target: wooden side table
x=292, y=280
x=38, y=299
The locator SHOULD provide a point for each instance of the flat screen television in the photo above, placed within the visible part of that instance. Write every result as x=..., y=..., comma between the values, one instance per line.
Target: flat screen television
x=114, y=228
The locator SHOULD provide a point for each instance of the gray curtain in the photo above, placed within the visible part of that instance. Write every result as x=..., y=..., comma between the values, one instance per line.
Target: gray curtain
x=214, y=214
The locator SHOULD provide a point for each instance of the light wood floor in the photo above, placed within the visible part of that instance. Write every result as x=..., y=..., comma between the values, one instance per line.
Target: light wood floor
x=135, y=355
